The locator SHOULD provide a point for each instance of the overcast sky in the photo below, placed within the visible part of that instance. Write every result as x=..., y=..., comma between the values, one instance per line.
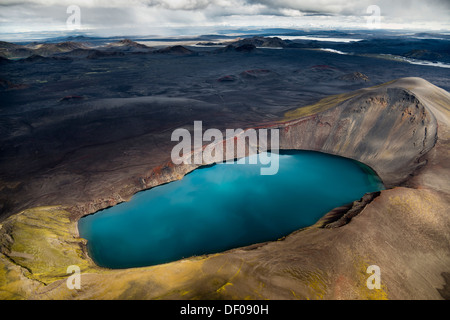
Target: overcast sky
x=151, y=17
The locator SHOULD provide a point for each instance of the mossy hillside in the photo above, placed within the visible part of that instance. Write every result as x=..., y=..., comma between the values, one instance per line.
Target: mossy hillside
x=43, y=241
x=320, y=106
x=327, y=103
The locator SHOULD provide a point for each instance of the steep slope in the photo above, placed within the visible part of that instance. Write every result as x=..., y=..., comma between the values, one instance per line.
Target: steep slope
x=387, y=128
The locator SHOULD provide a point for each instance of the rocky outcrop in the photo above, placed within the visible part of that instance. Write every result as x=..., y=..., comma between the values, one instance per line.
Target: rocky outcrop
x=341, y=216
x=354, y=77
x=175, y=50
x=127, y=45
x=423, y=55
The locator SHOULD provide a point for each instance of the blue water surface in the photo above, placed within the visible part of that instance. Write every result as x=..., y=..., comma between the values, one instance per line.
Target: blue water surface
x=224, y=206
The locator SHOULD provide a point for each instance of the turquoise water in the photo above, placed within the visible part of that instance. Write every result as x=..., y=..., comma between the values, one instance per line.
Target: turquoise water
x=224, y=206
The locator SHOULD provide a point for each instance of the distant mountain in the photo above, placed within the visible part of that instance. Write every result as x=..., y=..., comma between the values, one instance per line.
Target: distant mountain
x=423, y=55
x=88, y=54
x=11, y=50
x=430, y=49
x=48, y=49
x=9, y=45
x=79, y=38
x=77, y=53
x=262, y=42
x=241, y=48
x=128, y=44
x=421, y=46
x=16, y=53
x=32, y=45
x=177, y=50
x=36, y=51
x=257, y=41
x=34, y=58
x=247, y=47
x=427, y=35
x=269, y=42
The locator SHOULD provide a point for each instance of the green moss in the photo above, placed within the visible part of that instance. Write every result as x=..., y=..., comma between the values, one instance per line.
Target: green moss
x=322, y=105
x=14, y=285
x=316, y=282
x=44, y=243
x=325, y=103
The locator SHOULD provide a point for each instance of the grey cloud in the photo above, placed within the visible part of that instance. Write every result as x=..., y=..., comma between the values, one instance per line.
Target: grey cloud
x=180, y=4
x=356, y=7
x=117, y=13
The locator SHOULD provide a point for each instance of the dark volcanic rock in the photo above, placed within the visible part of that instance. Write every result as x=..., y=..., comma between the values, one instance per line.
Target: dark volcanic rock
x=4, y=60
x=262, y=42
x=246, y=48
x=257, y=73
x=320, y=73
x=48, y=49
x=12, y=50
x=128, y=43
x=209, y=44
x=228, y=48
x=128, y=46
x=176, y=50
x=229, y=78
x=77, y=53
x=354, y=77
x=95, y=54
x=34, y=58
x=71, y=98
x=8, y=85
x=9, y=45
x=423, y=55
